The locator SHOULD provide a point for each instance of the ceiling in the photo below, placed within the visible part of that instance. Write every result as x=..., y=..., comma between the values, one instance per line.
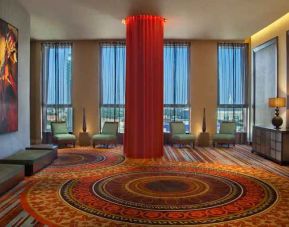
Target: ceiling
x=186, y=19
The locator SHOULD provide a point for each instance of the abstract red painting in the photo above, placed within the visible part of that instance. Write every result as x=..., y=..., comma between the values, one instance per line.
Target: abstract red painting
x=8, y=77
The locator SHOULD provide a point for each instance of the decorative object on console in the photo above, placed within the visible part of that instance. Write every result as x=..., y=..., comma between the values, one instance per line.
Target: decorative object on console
x=204, y=126
x=84, y=120
x=8, y=77
x=276, y=103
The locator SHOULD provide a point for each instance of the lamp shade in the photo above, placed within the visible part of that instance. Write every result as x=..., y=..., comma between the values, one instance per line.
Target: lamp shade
x=277, y=102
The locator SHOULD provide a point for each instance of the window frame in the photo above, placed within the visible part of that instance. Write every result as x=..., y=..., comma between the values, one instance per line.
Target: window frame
x=101, y=105
x=174, y=106
x=245, y=89
x=45, y=106
x=188, y=105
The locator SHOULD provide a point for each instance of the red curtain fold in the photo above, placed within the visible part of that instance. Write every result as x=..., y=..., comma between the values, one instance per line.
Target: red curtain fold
x=144, y=87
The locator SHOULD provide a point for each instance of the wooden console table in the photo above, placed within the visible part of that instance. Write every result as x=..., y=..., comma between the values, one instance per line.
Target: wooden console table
x=271, y=143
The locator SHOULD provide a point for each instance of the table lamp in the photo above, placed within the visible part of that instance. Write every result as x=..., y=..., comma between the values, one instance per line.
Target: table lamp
x=276, y=103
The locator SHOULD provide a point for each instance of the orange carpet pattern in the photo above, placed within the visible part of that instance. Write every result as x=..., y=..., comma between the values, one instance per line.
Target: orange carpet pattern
x=98, y=187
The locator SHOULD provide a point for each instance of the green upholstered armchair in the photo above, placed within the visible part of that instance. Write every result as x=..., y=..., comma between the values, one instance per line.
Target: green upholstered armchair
x=178, y=134
x=60, y=134
x=108, y=134
x=227, y=134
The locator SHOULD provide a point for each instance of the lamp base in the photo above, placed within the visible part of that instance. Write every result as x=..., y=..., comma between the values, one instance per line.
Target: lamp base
x=277, y=121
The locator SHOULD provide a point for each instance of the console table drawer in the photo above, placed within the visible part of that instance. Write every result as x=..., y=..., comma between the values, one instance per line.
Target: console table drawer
x=271, y=143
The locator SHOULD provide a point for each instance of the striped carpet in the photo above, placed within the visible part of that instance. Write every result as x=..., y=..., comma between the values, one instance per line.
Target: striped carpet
x=12, y=213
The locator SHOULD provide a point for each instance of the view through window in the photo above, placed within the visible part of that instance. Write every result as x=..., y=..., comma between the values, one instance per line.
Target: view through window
x=232, y=71
x=176, y=83
x=56, y=85
x=112, y=83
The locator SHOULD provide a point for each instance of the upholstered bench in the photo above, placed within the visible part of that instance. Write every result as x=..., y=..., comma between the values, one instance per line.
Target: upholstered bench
x=52, y=147
x=33, y=160
x=10, y=175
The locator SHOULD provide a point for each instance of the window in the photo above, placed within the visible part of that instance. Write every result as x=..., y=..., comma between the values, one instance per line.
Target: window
x=232, y=71
x=176, y=84
x=112, y=83
x=56, y=84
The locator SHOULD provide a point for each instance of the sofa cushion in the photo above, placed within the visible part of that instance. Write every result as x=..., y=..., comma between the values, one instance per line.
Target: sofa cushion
x=59, y=128
x=226, y=137
x=34, y=160
x=10, y=175
x=228, y=128
x=65, y=137
x=183, y=137
x=8, y=171
x=104, y=137
x=28, y=156
x=110, y=128
x=177, y=128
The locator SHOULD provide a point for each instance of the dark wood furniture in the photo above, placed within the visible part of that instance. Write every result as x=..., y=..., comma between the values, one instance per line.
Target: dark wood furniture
x=33, y=160
x=84, y=139
x=204, y=139
x=271, y=143
x=10, y=176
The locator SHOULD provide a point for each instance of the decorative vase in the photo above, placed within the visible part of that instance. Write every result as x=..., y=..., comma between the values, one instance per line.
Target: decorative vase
x=204, y=126
x=83, y=120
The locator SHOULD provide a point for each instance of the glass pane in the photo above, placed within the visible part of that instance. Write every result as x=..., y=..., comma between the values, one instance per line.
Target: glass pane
x=57, y=66
x=239, y=115
x=176, y=114
x=113, y=114
x=176, y=74
x=113, y=60
x=232, y=73
x=58, y=114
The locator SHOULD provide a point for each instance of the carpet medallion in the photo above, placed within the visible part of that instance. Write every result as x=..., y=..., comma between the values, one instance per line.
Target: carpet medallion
x=83, y=160
x=156, y=194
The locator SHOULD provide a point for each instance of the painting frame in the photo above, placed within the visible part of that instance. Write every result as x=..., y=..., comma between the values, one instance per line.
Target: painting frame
x=8, y=77
x=274, y=57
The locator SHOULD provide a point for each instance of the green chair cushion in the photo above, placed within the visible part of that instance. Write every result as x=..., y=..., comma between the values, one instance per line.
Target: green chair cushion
x=64, y=137
x=177, y=128
x=183, y=137
x=224, y=137
x=8, y=171
x=228, y=128
x=28, y=155
x=110, y=128
x=104, y=137
x=59, y=128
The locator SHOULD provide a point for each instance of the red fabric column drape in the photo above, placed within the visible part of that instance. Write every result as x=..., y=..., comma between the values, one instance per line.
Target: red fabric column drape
x=144, y=87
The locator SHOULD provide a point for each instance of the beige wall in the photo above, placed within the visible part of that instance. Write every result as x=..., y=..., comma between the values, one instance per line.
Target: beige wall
x=203, y=85
x=85, y=91
x=277, y=29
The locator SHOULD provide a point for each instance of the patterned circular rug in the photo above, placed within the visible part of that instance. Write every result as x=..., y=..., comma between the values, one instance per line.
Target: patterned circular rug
x=81, y=160
x=158, y=194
